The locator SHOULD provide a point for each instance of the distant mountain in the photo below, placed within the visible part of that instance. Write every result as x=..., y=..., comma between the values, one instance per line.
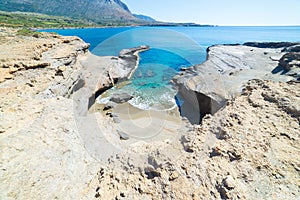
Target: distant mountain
x=93, y=10
x=145, y=18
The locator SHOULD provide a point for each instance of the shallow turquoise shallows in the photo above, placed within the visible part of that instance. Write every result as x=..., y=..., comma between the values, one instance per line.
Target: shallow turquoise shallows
x=171, y=49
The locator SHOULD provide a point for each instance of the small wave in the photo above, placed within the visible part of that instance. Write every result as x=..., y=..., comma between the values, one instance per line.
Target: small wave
x=146, y=106
x=160, y=99
x=151, y=96
x=104, y=100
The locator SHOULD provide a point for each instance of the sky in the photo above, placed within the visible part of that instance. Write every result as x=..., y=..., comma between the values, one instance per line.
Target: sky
x=220, y=12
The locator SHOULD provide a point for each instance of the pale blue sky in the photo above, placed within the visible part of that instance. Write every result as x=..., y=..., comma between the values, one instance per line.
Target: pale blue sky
x=220, y=12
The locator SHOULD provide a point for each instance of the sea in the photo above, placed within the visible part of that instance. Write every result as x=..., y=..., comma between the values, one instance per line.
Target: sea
x=171, y=49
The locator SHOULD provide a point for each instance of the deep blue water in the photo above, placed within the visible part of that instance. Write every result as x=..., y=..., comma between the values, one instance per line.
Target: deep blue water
x=204, y=36
x=171, y=49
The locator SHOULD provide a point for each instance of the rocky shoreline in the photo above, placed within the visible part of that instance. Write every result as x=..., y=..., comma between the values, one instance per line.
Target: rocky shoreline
x=248, y=149
x=228, y=68
x=48, y=82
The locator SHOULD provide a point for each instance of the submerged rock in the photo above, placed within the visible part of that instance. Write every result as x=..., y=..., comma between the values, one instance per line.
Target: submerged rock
x=150, y=73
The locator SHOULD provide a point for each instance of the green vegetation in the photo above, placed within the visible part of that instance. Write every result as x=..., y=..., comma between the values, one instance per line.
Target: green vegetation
x=34, y=20
x=28, y=32
x=37, y=20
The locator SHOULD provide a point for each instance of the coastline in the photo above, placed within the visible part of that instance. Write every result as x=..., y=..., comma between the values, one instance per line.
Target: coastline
x=79, y=154
x=88, y=27
x=135, y=52
x=129, y=26
x=125, y=26
x=134, y=126
x=137, y=60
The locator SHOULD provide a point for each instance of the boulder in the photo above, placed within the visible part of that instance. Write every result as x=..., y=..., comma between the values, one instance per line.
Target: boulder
x=110, y=105
x=295, y=48
x=123, y=136
x=289, y=60
x=121, y=97
x=229, y=182
x=116, y=119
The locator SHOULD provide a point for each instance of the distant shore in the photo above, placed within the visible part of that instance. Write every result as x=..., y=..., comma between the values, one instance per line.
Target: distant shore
x=128, y=26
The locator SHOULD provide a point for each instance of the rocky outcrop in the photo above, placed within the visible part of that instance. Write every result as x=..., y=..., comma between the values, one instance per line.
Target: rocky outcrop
x=242, y=152
x=102, y=73
x=40, y=146
x=294, y=48
x=274, y=45
x=129, y=61
x=46, y=84
x=207, y=87
x=289, y=60
x=50, y=57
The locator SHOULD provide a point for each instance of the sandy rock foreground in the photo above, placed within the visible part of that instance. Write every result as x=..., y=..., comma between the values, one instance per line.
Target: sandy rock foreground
x=248, y=150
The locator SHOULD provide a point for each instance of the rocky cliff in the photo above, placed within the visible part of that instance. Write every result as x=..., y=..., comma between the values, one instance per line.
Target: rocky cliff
x=94, y=10
x=207, y=87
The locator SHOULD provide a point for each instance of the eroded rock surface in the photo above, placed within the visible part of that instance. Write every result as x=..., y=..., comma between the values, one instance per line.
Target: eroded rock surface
x=42, y=155
x=46, y=85
x=228, y=67
x=102, y=73
x=247, y=150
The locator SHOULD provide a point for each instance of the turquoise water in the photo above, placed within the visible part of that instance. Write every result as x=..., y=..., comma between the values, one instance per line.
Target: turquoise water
x=150, y=85
x=171, y=49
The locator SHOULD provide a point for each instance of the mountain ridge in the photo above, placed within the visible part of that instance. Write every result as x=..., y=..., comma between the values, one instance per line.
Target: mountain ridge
x=93, y=10
x=84, y=12
x=144, y=17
